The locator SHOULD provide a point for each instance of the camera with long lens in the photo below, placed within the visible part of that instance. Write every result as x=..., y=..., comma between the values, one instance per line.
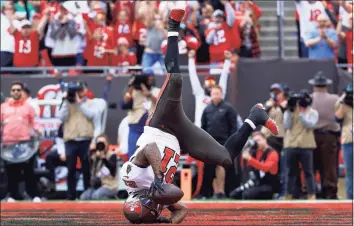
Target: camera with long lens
x=348, y=99
x=138, y=79
x=251, y=144
x=72, y=88
x=251, y=182
x=302, y=99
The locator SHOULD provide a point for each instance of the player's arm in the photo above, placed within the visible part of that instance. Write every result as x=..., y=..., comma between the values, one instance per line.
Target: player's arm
x=178, y=212
x=150, y=156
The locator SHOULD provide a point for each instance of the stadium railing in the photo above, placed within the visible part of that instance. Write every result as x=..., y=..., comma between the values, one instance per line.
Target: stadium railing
x=105, y=69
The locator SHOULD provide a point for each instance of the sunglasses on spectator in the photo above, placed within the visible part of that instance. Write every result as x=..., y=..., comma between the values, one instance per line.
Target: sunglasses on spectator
x=16, y=90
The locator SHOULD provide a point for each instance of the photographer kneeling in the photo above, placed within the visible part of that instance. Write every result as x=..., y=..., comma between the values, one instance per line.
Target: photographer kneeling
x=104, y=182
x=78, y=114
x=261, y=170
x=300, y=120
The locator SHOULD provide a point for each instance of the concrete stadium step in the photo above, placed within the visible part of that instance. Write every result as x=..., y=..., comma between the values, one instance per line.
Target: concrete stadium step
x=270, y=21
x=273, y=40
x=268, y=37
x=272, y=11
x=273, y=31
x=268, y=52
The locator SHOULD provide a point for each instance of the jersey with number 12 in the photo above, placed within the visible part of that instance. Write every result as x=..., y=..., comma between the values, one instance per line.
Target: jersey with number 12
x=308, y=14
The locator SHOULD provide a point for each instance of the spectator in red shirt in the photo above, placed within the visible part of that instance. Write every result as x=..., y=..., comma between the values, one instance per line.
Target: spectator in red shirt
x=219, y=34
x=17, y=118
x=261, y=167
x=123, y=27
x=124, y=58
x=347, y=37
x=27, y=43
x=100, y=42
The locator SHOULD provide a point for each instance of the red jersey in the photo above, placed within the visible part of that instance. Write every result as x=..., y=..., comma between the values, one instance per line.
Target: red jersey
x=139, y=31
x=95, y=50
x=125, y=60
x=221, y=42
x=26, y=49
x=125, y=31
x=349, y=44
x=236, y=35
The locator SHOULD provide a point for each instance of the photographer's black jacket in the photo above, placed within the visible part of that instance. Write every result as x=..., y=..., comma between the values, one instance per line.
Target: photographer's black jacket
x=220, y=121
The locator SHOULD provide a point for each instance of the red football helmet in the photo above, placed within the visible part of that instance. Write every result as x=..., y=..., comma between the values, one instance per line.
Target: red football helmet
x=139, y=209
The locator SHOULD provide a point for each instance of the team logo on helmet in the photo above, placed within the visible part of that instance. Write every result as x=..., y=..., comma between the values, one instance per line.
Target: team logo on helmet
x=133, y=206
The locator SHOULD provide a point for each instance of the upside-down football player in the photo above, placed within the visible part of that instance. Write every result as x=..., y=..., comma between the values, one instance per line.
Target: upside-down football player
x=149, y=173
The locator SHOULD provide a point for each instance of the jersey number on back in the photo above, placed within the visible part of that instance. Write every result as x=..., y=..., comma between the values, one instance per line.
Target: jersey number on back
x=169, y=155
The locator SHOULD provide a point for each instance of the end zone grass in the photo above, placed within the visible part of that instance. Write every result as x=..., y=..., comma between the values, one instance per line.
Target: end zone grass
x=200, y=213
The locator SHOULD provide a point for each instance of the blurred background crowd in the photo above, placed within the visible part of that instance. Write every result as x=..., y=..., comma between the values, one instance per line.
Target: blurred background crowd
x=128, y=33
x=301, y=162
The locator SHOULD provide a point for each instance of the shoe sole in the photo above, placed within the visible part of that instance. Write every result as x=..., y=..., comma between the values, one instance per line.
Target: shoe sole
x=270, y=124
x=177, y=14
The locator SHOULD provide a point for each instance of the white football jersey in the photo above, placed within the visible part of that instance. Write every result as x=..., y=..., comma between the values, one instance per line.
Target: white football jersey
x=138, y=178
x=308, y=14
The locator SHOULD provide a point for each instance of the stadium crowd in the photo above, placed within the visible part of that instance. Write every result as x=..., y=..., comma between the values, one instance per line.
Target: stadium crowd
x=122, y=33
x=325, y=30
x=129, y=33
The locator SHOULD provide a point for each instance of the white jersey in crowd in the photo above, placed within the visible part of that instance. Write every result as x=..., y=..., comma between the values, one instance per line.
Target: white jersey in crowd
x=345, y=16
x=202, y=100
x=137, y=178
x=7, y=40
x=308, y=14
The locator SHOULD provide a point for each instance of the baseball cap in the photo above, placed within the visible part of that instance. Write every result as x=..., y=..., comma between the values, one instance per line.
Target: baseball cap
x=218, y=13
x=276, y=86
x=25, y=23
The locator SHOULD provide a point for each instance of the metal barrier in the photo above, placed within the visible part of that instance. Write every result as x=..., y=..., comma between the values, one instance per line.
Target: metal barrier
x=105, y=69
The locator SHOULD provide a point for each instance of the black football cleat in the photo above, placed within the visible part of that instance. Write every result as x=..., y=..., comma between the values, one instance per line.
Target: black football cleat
x=259, y=116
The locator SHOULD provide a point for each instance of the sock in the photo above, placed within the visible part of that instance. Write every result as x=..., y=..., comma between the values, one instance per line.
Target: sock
x=171, y=58
x=237, y=141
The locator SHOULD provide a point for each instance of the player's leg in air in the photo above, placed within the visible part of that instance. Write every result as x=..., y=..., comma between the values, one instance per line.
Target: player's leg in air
x=170, y=117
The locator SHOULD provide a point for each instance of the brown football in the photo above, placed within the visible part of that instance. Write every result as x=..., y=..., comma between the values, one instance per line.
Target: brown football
x=169, y=196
